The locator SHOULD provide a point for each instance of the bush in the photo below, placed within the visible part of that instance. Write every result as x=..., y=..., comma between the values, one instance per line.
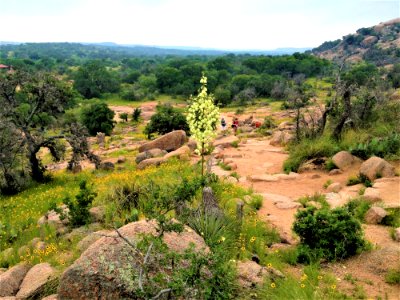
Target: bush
x=329, y=234
x=136, y=114
x=393, y=277
x=358, y=208
x=98, y=118
x=165, y=120
x=124, y=116
x=308, y=149
x=381, y=147
x=79, y=208
x=256, y=202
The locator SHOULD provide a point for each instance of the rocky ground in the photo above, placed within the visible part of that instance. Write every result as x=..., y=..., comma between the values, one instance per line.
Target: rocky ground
x=257, y=162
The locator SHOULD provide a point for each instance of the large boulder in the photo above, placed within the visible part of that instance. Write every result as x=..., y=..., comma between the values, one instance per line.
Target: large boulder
x=156, y=161
x=35, y=280
x=10, y=280
x=376, y=167
x=375, y=215
x=169, y=142
x=109, y=268
x=181, y=153
x=343, y=160
x=150, y=154
x=281, y=138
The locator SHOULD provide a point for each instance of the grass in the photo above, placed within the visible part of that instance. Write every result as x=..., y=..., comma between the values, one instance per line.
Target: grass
x=312, y=284
x=393, y=277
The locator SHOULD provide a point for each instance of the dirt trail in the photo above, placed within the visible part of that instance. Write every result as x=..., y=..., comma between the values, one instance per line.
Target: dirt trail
x=256, y=157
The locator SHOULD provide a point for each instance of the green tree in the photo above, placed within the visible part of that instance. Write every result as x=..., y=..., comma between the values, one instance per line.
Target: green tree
x=165, y=120
x=30, y=107
x=98, y=117
x=93, y=79
x=202, y=118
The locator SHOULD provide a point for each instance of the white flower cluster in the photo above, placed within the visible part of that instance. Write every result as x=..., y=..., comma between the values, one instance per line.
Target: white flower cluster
x=203, y=117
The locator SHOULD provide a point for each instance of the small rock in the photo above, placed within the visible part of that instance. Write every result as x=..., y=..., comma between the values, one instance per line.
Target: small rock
x=41, y=245
x=315, y=176
x=231, y=179
x=226, y=142
x=288, y=205
x=34, y=280
x=23, y=250
x=250, y=273
x=33, y=242
x=334, y=199
x=107, y=166
x=375, y=215
x=121, y=159
x=233, y=166
x=372, y=195
x=192, y=144
x=334, y=187
x=156, y=161
x=279, y=246
x=10, y=280
x=263, y=177
x=98, y=213
x=335, y=172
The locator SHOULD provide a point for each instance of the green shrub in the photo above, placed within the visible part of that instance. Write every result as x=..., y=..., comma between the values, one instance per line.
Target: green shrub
x=235, y=144
x=393, y=277
x=327, y=183
x=353, y=180
x=136, y=114
x=317, y=198
x=382, y=147
x=97, y=117
x=124, y=116
x=165, y=120
x=78, y=213
x=256, y=202
x=329, y=234
x=358, y=208
x=308, y=149
x=330, y=165
x=393, y=217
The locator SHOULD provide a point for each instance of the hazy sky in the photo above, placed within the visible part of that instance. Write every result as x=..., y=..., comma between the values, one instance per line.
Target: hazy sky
x=225, y=24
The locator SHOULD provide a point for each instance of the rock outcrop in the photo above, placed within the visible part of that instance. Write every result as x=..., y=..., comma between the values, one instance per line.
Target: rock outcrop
x=35, y=280
x=169, y=142
x=108, y=269
x=11, y=280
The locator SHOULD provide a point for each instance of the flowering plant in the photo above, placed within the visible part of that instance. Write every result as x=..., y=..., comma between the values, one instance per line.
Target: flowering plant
x=202, y=118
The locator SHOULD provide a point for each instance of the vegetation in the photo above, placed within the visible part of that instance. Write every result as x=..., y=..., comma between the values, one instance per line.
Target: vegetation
x=97, y=117
x=166, y=119
x=203, y=117
x=328, y=234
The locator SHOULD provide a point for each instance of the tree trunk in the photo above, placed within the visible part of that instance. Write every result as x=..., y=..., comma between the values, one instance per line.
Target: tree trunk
x=37, y=170
x=346, y=114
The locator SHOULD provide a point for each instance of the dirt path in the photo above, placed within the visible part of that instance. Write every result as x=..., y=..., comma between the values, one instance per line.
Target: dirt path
x=257, y=159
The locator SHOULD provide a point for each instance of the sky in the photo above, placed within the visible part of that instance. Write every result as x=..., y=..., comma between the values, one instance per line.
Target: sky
x=216, y=24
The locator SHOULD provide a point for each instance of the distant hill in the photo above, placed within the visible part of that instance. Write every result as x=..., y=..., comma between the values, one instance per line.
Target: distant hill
x=379, y=44
x=113, y=50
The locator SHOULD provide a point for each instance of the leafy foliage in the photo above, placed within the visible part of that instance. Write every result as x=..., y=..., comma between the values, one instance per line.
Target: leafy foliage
x=78, y=213
x=166, y=119
x=98, y=117
x=328, y=234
